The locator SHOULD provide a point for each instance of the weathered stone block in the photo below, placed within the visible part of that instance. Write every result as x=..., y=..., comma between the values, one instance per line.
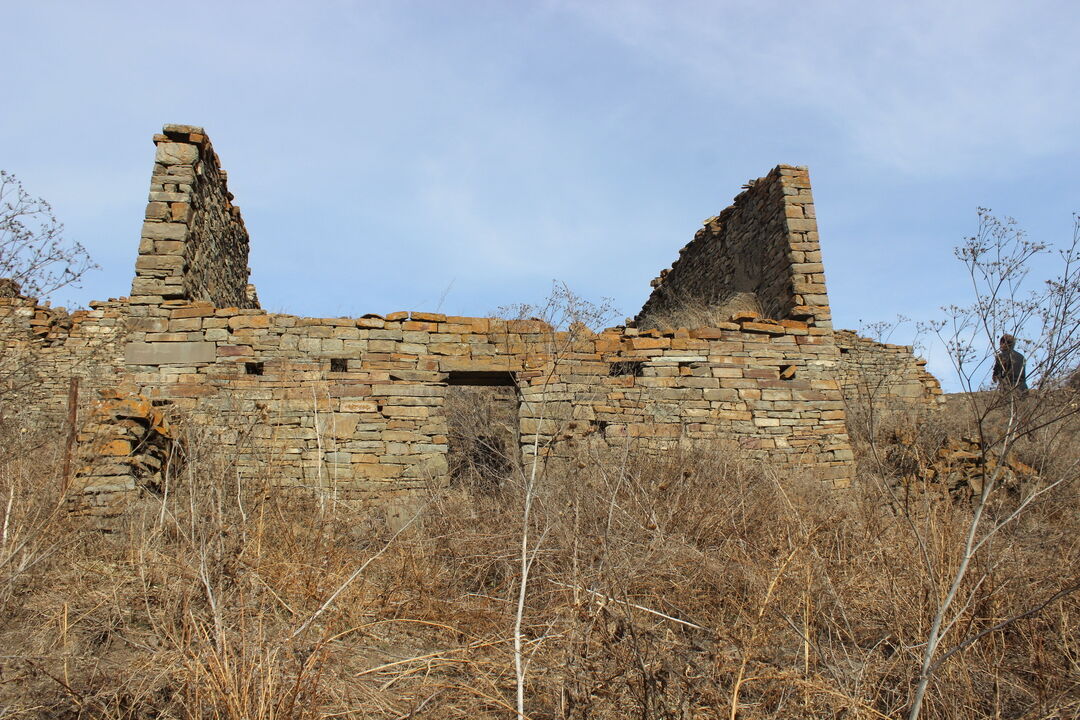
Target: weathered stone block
x=249, y=321
x=337, y=425
x=170, y=353
x=164, y=231
x=176, y=153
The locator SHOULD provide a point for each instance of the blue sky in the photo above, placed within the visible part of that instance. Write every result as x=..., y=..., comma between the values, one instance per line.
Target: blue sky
x=461, y=155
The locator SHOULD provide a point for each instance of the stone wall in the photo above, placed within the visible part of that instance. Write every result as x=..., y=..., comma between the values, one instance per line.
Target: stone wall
x=764, y=245
x=360, y=404
x=356, y=403
x=887, y=376
x=764, y=388
x=43, y=348
x=194, y=245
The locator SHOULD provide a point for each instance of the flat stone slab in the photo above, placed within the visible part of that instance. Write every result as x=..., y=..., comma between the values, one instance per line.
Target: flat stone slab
x=170, y=353
x=676, y=359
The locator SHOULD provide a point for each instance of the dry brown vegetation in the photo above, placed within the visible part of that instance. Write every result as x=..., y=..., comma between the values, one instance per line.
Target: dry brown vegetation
x=697, y=585
x=697, y=312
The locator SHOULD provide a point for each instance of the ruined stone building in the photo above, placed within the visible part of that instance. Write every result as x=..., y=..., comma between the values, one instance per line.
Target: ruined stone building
x=734, y=348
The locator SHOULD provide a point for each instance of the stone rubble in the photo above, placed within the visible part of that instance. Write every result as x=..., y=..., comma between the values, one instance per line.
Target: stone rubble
x=126, y=450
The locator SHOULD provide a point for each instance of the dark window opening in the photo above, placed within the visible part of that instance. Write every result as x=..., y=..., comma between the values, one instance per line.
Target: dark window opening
x=253, y=368
x=477, y=378
x=627, y=367
x=339, y=365
x=787, y=372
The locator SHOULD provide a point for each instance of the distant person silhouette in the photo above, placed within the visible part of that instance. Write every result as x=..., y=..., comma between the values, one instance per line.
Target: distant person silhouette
x=1009, y=371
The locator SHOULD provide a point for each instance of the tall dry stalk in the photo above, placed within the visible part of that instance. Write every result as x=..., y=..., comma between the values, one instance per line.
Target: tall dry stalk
x=566, y=316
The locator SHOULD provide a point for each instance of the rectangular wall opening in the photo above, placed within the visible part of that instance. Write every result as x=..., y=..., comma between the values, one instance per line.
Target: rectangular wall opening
x=339, y=365
x=479, y=378
x=482, y=429
x=627, y=367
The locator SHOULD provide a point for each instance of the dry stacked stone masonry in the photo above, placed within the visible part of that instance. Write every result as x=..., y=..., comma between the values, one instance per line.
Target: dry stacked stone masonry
x=126, y=448
x=194, y=245
x=360, y=403
x=884, y=375
x=764, y=245
x=43, y=348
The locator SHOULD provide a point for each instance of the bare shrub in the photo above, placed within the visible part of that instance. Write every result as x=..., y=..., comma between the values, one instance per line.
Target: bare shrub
x=35, y=258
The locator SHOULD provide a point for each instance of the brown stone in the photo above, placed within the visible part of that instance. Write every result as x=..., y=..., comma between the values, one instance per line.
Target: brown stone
x=249, y=321
x=195, y=311
x=115, y=447
x=762, y=327
x=171, y=353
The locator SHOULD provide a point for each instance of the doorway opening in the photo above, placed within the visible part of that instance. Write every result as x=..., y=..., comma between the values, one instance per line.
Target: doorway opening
x=482, y=429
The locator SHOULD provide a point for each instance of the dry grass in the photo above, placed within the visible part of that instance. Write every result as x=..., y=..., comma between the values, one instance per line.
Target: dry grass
x=691, y=586
x=696, y=313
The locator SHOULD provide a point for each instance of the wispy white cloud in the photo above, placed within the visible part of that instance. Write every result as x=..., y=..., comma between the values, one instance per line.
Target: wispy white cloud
x=917, y=86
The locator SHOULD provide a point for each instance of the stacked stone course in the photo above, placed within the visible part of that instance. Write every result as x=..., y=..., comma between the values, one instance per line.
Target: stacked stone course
x=765, y=244
x=126, y=449
x=43, y=348
x=360, y=403
x=194, y=243
x=888, y=376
